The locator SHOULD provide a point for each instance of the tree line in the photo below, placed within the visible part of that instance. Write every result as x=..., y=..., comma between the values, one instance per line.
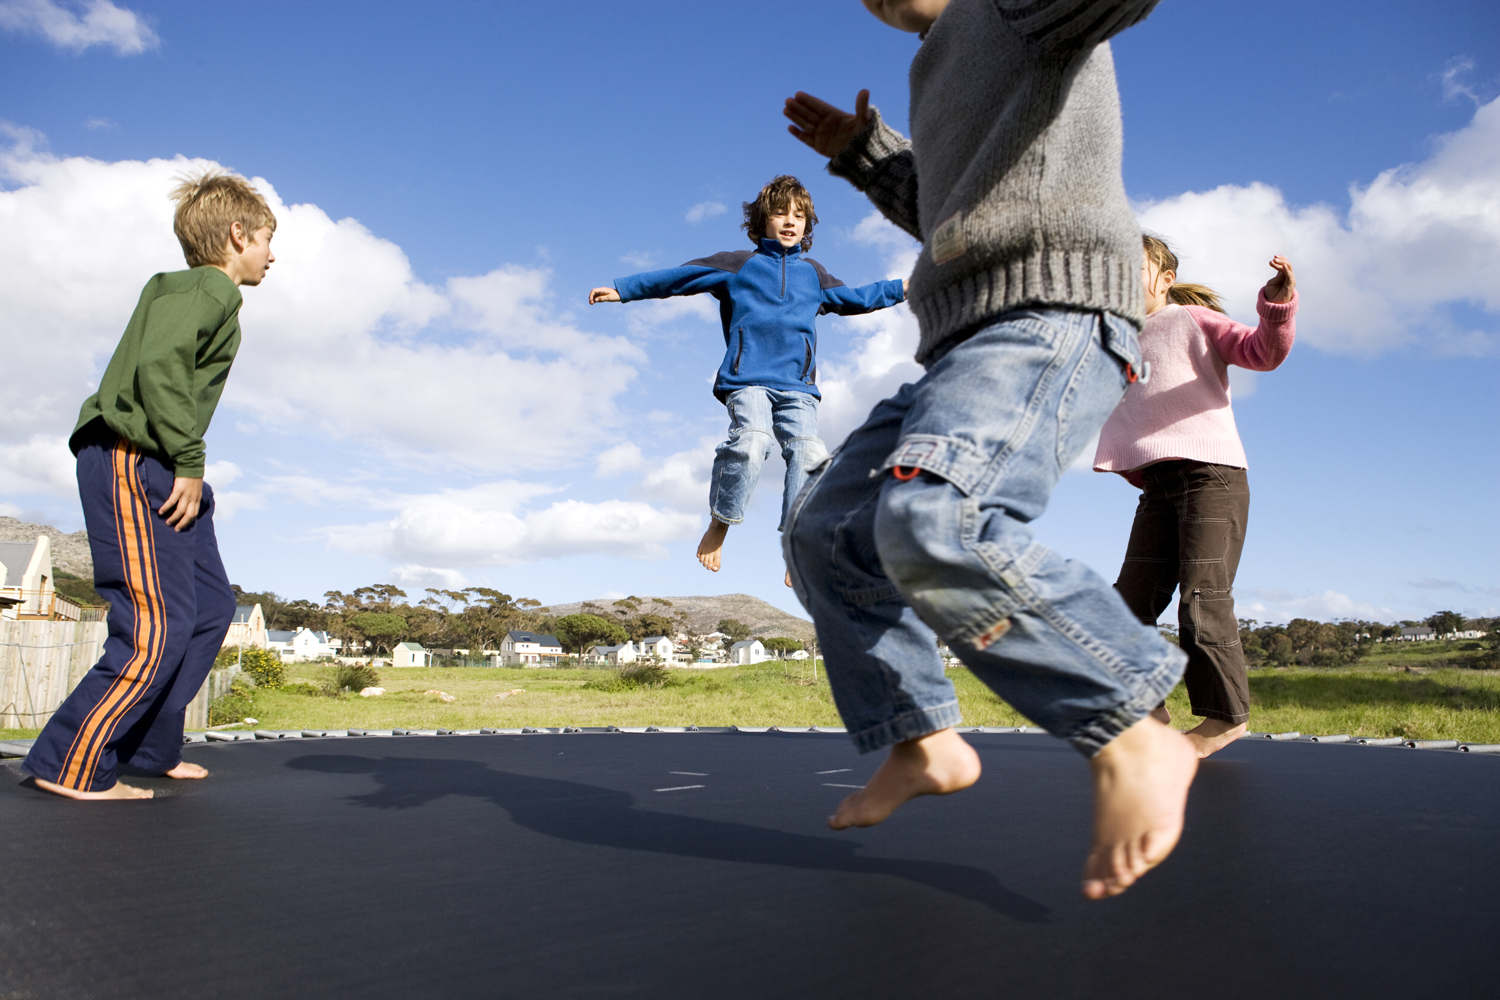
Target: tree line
x=382, y=616
x=1304, y=642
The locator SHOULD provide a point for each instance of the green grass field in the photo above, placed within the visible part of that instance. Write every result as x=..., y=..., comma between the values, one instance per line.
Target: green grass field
x=1414, y=693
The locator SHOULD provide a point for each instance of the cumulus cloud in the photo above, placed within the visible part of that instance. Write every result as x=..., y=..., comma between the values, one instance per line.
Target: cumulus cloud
x=1414, y=258
x=78, y=26
x=680, y=481
x=705, y=210
x=1281, y=606
x=620, y=459
x=495, y=524
x=482, y=372
x=39, y=464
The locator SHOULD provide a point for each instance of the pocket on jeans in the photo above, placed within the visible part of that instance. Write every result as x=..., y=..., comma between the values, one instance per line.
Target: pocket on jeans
x=949, y=458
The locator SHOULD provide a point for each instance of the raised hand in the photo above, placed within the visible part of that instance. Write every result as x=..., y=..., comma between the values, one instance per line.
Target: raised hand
x=1280, y=288
x=603, y=295
x=821, y=125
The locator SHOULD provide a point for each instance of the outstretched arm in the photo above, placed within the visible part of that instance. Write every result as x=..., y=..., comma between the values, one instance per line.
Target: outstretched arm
x=605, y=294
x=846, y=301
x=1267, y=345
x=863, y=150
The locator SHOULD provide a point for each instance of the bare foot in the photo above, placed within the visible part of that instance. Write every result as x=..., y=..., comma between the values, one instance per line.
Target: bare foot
x=119, y=790
x=1161, y=714
x=1141, y=781
x=788, y=580
x=1212, y=735
x=939, y=763
x=185, y=769
x=712, y=544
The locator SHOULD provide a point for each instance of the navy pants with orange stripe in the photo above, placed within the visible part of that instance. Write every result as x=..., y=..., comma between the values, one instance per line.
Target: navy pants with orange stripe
x=170, y=607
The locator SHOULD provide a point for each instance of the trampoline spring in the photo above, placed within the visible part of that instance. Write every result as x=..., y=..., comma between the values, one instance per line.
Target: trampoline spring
x=1479, y=747
x=1431, y=744
x=1282, y=736
x=1340, y=738
x=1380, y=741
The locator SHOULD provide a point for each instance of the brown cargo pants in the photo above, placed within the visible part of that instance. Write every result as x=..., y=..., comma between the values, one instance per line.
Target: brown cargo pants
x=1188, y=533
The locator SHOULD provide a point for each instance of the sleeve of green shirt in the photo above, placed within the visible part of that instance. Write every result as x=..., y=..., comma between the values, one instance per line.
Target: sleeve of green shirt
x=166, y=374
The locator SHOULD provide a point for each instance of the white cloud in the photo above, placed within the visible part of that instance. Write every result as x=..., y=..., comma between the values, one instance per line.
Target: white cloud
x=619, y=459
x=1281, y=606
x=41, y=463
x=78, y=26
x=641, y=259
x=219, y=474
x=1418, y=246
x=705, y=210
x=490, y=525
x=96, y=124
x=342, y=338
x=680, y=481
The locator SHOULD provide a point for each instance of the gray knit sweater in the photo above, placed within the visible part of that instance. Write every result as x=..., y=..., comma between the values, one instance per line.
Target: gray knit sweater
x=1016, y=136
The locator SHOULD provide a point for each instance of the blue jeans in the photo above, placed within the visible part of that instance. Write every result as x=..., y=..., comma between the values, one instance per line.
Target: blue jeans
x=919, y=527
x=757, y=416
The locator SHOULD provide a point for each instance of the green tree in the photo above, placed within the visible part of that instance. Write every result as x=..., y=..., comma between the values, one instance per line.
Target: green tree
x=737, y=630
x=1446, y=621
x=649, y=624
x=379, y=627
x=781, y=645
x=582, y=631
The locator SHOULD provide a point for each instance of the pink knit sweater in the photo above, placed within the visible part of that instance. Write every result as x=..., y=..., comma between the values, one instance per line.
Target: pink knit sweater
x=1183, y=411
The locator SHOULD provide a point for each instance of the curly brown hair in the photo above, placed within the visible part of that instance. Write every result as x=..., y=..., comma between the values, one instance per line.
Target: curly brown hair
x=775, y=197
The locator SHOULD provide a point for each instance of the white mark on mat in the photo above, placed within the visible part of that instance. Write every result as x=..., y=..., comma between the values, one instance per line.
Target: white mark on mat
x=691, y=774
x=829, y=784
x=837, y=770
x=680, y=788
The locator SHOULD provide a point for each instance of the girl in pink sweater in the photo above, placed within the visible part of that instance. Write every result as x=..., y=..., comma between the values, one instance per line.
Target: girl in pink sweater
x=1174, y=437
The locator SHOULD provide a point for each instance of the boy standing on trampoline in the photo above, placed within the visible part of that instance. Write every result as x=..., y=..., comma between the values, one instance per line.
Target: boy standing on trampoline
x=139, y=443
x=1028, y=294
x=769, y=302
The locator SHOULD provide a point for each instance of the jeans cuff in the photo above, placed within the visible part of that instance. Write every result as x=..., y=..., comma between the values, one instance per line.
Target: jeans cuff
x=1091, y=737
x=910, y=725
x=724, y=518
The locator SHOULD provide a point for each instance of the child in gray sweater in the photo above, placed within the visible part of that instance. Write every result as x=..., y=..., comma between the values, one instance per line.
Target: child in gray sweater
x=1029, y=297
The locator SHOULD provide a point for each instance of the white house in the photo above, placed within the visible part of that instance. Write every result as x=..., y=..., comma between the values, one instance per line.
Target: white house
x=1419, y=633
x=247, y=629
x=749, y=651
x=659, y=646
x=529, y=649
x=26, y=584
x=798, y=654
x=625, y=652
x=410, y=654
x=310, y=645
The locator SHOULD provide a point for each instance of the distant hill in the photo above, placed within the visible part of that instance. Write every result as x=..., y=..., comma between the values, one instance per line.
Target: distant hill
x=69, y=552
x=703, y=613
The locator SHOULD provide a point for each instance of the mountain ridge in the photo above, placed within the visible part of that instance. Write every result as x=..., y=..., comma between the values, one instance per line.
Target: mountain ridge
x=703, y=613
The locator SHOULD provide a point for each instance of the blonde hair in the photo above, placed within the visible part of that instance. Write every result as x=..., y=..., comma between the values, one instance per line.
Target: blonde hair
x=775, y=197
x=208, y=206
x=1183, y=293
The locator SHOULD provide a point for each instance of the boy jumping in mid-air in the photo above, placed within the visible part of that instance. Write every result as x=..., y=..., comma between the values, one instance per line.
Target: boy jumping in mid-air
x=1029, y=296
x=769, y=301
x=149, y=514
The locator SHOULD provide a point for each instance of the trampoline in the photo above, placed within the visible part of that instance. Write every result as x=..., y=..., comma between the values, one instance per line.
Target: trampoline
x=681, y=864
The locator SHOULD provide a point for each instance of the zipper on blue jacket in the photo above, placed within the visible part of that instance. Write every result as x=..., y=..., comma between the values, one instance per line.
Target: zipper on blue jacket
x=738, y=353
x=783, y=272
x=807, y=362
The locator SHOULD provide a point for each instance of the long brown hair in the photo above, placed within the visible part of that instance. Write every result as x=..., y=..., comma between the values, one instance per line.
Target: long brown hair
x=1182, y=293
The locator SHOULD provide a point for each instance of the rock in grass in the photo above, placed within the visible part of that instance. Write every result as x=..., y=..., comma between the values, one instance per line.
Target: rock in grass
x=507, y=694
x=441, y=695
x=371, y=692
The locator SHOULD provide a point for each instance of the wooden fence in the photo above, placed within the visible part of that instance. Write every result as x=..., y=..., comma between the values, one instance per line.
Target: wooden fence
x=42, y=661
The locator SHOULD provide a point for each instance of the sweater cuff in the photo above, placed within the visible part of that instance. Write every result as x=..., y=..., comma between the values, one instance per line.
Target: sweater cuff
x=1275, y=312
x=858, y=161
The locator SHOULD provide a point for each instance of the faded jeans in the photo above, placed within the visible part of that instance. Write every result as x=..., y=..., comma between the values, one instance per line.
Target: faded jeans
x=918, y=527
x=757, y=417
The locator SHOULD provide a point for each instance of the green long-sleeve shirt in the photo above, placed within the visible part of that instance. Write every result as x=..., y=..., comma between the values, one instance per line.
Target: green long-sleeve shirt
x=163, y=383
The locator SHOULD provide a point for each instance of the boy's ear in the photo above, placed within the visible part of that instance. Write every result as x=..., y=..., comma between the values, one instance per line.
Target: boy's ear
x=238, y=238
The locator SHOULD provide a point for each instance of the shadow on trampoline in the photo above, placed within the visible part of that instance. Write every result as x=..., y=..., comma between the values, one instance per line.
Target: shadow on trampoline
x=587, y=814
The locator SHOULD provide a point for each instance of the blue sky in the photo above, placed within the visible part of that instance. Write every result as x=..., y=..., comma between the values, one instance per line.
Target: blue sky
x=423, y=396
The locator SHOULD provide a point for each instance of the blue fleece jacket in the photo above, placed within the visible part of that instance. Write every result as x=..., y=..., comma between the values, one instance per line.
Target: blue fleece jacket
x=769, y=300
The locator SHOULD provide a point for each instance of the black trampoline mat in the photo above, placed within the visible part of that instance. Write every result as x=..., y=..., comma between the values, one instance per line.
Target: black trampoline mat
x=697, y=864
